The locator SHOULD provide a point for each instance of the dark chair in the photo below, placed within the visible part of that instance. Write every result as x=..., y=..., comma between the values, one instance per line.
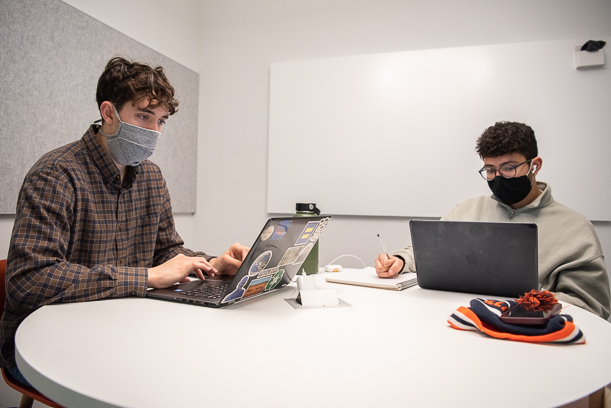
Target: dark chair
x=29, y=394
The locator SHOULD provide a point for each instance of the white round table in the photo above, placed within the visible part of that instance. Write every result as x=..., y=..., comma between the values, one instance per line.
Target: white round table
x=389, y=349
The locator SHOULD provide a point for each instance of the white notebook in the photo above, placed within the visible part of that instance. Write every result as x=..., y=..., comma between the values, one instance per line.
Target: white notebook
x=368, y=277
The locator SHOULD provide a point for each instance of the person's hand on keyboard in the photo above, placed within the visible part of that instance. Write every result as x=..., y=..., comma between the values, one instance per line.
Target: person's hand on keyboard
x=230, y=261
x=177, y=269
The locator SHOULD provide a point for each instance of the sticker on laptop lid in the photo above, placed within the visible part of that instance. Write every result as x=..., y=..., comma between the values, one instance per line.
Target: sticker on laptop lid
x=238, y=292
x=319, y=229
x=274, y=280
x=260, y=263
x=267, y=272
x=267, y=232
x=307, y=232
x=305, y=251
x=256, y=286
x=290, y=256
x=281, y=229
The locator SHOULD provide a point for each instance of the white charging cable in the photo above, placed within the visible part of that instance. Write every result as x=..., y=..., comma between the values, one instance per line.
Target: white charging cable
x=341, y=256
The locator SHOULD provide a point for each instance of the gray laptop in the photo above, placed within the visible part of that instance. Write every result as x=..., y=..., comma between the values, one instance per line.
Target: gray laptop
x=489, y=258
x=274, y=259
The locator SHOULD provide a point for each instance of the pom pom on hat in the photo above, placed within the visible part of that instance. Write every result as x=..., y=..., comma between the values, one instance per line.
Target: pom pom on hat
x=538, y=300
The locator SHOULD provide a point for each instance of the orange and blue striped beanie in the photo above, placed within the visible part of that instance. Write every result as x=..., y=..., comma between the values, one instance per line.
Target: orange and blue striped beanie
x=484, y=315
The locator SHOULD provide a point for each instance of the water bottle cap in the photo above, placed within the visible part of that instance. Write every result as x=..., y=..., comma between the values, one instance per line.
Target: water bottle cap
x=307, y=207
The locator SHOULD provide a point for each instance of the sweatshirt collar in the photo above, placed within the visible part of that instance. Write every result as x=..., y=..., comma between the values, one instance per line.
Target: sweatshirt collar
x=543, y=200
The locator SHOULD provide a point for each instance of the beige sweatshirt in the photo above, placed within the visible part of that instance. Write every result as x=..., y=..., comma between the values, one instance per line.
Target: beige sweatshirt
x=571, y=260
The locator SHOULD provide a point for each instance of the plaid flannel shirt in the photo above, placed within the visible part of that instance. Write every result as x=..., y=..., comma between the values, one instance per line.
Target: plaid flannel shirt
x=81, y=235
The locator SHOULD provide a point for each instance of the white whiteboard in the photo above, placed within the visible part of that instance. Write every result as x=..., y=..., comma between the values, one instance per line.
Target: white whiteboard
x=394, y=134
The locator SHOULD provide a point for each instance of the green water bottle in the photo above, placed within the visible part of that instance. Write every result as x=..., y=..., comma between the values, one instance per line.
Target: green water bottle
x=309, y=210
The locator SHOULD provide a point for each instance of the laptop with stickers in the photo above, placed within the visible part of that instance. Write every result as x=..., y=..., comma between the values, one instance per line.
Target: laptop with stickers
x=272, y=263
x=489, y=258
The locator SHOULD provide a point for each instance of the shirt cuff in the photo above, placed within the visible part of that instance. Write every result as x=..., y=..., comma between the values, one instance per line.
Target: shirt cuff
x=403, y=270
x=131, y=281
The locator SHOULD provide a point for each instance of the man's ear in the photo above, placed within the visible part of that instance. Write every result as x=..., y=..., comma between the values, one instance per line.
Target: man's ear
x=537, y=163
x=107, y=112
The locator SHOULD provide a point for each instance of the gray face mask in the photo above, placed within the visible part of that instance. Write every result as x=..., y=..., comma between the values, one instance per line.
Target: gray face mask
x=131, y=144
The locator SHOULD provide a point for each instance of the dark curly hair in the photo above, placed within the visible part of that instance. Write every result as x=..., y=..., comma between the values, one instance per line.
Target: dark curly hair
x=125, y=81
x=507, y=138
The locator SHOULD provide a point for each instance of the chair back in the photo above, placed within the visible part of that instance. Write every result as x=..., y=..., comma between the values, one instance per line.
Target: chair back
x=2, y=285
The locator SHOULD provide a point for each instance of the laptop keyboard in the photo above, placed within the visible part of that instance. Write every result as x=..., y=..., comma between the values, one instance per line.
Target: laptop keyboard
x=208, y=291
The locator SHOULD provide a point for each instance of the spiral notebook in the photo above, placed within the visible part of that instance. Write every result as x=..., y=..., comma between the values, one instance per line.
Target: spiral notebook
x=368, y=277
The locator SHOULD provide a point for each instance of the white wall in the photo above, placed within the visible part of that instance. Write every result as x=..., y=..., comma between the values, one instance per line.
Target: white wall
x=241, y=38
x=231, y=44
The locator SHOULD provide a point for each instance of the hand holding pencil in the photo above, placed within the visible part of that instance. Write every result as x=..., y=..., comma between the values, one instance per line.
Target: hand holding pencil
x=388, y=266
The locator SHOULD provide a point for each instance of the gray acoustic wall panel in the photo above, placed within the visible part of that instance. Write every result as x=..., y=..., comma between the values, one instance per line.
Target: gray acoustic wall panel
x=51, y=56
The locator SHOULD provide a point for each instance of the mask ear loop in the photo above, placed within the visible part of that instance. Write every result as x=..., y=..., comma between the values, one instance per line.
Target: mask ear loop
x=118, y=127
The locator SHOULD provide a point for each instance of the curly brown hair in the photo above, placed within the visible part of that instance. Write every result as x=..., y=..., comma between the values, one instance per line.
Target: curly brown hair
x=507, y=138
x=126, y=81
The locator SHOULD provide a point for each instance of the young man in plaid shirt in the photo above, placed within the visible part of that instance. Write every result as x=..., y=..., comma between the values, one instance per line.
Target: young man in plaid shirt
x=94, y=218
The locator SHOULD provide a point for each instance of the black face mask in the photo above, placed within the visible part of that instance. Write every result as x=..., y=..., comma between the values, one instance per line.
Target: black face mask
x=512, y=190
